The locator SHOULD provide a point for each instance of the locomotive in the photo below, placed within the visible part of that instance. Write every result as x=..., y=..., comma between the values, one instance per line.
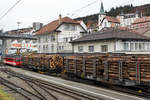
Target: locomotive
x=13, y=59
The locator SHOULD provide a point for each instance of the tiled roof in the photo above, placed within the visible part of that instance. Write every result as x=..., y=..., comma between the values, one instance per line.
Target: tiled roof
x=112, y=19
x=91, y=24
x=142, y=20
x=52, y=26
x=142, y=30
x=110, y=34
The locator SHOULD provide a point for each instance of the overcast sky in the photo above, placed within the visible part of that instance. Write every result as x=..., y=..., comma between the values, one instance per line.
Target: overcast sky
x=29, y=11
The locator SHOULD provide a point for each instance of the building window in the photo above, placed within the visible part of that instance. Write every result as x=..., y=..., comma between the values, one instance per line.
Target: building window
x=65, y=39
x=136, y=46
x=71, y=38
x=143, y=46
x=72, y=27
x=66, y=27
x=43, y=47
x=126, y=46
x=91, y=48
x=52, y=48
x=80, y=48
x=27, y=41
x=46, y=47
x=52, y=38
x=69, y=27
x=61, y=47
x=132, y=46
x=140, y=46
x=104, y=48
x=147, y=46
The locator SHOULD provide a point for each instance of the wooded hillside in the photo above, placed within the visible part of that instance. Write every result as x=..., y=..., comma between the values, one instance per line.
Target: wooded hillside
x=145, y=9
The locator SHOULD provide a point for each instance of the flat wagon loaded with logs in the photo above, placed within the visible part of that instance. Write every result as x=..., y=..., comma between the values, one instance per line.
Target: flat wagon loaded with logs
x=43, y=62
x=111, y=68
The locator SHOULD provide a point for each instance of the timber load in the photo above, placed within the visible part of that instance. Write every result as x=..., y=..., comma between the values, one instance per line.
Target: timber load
x=42, y=61
x=110, y=67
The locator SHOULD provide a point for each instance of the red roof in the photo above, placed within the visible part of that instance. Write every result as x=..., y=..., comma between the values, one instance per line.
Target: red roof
x=142, y=20
x=91, y=24
x=143, y=30
x=52, y=26
x=128, y=29
x=112, y=19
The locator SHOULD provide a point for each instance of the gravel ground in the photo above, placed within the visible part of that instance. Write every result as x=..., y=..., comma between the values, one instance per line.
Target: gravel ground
x=24, y=85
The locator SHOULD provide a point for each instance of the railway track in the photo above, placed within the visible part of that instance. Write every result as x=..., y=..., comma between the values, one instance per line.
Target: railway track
x=33, y=83
x=26, y=94
x=67, y=92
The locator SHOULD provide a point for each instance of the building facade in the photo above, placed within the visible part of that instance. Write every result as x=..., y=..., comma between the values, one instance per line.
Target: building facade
x=23, y=45
x=122, y=20
x=106, y=21
x=55, y=36
x=126, y=20
x=114, y=41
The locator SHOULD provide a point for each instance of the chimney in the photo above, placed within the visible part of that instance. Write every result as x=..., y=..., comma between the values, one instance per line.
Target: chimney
x=59, y=18
x=37, y=26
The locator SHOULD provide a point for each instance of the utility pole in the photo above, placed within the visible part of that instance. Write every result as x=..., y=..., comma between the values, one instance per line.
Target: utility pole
x=19, y=50
x=18, y=24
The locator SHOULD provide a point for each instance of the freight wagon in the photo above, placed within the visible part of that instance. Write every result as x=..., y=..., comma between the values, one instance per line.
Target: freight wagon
x=119, y=69
x=43, y=62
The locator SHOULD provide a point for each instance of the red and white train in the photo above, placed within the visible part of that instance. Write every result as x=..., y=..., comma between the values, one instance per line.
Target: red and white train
x=14, y=60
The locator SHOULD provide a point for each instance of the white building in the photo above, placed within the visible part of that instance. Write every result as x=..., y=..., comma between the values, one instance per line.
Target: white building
x=21, y=44
x=55, y=36
x=106, y=21
x=126, y=20
x=122, y=20
x=114, y=41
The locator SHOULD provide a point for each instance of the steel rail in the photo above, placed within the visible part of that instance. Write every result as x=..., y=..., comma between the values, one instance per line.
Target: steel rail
x=57, y=88
x=14, y=87
x=29, y=81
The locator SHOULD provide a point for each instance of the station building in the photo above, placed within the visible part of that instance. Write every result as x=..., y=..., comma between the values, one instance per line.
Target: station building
x=114, y=40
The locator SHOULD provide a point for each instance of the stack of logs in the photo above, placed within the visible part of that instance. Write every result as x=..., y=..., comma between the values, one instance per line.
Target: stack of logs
x=42, y=60
x=114, y=66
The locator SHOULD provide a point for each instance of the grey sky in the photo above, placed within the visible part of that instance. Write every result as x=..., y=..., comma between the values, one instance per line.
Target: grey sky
x=29, y=11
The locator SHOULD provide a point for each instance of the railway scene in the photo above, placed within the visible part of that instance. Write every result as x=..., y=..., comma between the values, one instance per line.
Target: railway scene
x=79, y=50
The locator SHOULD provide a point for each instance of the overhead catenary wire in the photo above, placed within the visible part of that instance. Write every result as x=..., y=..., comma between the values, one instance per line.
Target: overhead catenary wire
x=72, y=14
x=9, y=10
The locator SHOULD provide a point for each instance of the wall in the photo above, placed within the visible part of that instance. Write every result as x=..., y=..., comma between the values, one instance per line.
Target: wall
x=97, y=46
x=114, y=46
x=60, y=44
x=109, y=24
